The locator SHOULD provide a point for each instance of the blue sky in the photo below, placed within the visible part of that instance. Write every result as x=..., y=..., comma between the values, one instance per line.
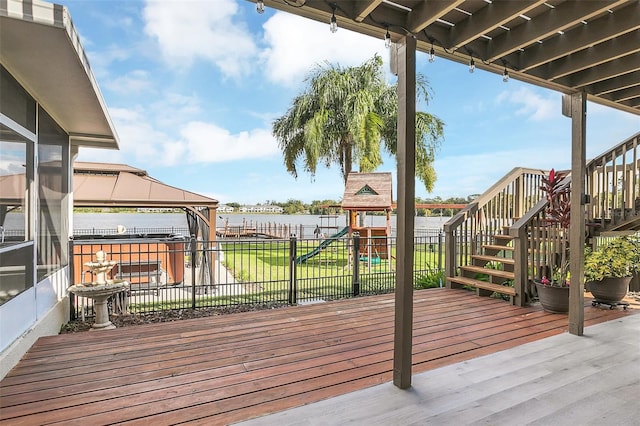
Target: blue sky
x=193, y=90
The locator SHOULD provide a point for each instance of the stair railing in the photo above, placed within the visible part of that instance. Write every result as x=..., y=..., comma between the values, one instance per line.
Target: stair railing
x=489, y=214
x=613, y=182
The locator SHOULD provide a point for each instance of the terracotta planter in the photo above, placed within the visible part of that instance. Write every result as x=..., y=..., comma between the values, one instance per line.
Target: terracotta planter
x=553, y=299
x=609, y=289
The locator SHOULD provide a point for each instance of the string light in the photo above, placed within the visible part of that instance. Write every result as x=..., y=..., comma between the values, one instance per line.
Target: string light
x=387, y=39
x=333, y=24
x=260, y=6
x=432, y=54
x=472, y=65
x=505, y=75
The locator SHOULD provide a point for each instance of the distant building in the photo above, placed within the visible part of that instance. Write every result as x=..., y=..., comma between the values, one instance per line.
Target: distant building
x=268, y=208
x=157, y=210
x=225, y=209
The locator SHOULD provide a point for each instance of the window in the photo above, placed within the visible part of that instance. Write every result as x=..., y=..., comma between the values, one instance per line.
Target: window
x=17, y=138
x=53, y=165
x=16, y=103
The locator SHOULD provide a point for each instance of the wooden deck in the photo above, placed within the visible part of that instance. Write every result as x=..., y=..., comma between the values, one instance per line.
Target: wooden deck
x=225, y=369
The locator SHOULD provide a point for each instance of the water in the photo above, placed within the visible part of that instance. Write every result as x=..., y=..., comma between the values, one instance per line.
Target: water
x=131, y=221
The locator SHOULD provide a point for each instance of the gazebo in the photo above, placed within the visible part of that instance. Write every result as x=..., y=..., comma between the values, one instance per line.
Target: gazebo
x=120, y=185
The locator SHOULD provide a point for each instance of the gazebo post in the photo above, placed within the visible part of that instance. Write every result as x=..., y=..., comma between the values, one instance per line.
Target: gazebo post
x=212, y=237
x=403, y=339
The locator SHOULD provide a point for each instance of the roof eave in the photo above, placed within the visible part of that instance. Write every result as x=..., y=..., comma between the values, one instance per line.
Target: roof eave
x=55, y=71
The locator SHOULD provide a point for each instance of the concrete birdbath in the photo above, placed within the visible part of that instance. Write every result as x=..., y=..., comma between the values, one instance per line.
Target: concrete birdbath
x=100, y=289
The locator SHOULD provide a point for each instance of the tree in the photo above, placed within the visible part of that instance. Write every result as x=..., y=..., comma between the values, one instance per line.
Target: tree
x=345, y=115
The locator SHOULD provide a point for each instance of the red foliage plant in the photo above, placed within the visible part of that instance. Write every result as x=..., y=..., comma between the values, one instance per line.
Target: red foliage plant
x=558, y=211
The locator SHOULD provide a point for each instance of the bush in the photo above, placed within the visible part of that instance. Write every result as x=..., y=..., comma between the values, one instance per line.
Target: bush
x=618, y=258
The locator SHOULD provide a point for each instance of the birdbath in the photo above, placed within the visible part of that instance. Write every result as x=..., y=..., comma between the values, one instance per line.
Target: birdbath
x=100, y=289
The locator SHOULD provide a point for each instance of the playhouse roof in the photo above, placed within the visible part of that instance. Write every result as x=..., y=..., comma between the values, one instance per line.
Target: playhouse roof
x=368, y=192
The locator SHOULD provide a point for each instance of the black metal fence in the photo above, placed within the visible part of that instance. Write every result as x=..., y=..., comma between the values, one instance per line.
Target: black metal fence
x=185, y=273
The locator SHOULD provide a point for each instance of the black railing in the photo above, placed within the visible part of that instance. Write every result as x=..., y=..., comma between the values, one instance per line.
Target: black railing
x=181, y=273
x=134, y=232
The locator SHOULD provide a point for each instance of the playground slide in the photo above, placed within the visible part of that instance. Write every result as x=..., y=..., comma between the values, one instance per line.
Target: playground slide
x=323, y=244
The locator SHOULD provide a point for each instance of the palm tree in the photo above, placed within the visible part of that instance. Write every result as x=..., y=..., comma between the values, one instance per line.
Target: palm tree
x=344, y=116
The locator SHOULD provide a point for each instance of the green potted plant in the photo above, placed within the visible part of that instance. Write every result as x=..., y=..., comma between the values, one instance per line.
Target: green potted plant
x=553, y=289
x=608, y=269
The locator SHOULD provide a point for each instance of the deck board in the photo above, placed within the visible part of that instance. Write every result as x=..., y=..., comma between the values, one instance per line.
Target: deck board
x=229, y=368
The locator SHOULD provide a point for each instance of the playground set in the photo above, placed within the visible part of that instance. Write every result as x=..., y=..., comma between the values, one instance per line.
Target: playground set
x=369, y=192
x=364, y=192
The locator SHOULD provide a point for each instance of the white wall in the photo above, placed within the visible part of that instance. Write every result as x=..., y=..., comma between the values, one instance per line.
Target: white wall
x=38, y=311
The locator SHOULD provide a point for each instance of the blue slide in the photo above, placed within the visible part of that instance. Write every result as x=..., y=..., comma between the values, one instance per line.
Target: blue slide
x=323, y=244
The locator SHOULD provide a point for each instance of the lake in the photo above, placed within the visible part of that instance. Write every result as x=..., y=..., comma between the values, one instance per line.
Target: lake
x=110, y=221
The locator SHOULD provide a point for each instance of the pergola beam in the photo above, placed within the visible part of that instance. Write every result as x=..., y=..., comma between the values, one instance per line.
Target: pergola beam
x=606, y=71
x=608, y=86
x=488, y=19
x=605, y=28
x=561, y=18
x=427, y=12
x=624, y=94
x=593, y=56
x=362, y=9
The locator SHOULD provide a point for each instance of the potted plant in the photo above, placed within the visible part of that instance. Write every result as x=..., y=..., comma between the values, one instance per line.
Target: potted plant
x=553, y=289
x=608, y=269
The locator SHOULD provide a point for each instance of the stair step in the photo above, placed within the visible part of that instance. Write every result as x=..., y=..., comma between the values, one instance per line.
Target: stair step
x=497, y=247
x=484, y=285
x=502, y=237
x=488, y=258
x=487, y=271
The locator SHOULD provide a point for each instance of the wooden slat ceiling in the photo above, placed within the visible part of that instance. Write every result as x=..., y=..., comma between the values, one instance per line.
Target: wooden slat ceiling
x=562, y=45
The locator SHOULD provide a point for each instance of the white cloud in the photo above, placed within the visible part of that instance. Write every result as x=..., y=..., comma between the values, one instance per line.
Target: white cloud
x=174, y=109
x=187, y=31
x=135, y=82
x=531, y=104
x=199, y=142
x=209, y=143
x=296, y=45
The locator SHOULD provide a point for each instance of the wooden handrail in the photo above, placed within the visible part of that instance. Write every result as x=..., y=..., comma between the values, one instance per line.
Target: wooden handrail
x=488, y=195
x=616, y=151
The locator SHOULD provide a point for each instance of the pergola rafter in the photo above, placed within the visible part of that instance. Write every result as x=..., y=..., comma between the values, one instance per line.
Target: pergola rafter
x=563, y=45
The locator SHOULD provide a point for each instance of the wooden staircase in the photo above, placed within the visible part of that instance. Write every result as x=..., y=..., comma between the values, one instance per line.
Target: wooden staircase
x=491, y=251
x=495, y=265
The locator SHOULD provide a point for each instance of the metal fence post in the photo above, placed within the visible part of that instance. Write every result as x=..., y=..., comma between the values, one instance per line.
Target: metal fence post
x=440, y=240
x=356, y=264
x=72, y=297
x=194, y=250
x=293, y=283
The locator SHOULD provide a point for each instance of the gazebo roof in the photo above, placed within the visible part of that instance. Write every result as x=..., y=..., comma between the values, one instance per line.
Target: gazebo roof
x=564, y=45
x=368, y=192
x=101, y=184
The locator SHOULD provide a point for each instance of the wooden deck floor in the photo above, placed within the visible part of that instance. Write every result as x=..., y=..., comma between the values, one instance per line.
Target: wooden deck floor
x=225, y=369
